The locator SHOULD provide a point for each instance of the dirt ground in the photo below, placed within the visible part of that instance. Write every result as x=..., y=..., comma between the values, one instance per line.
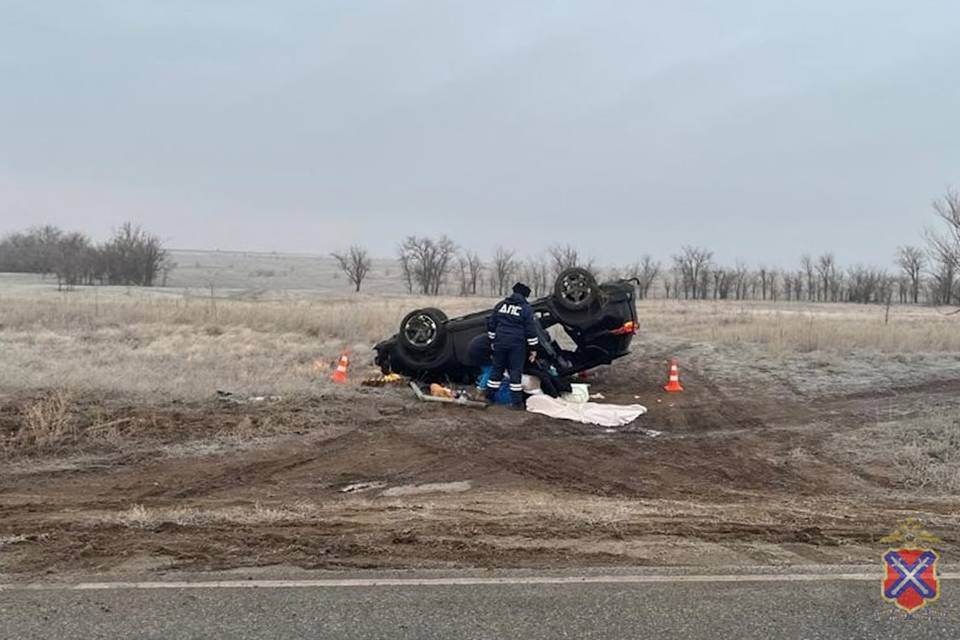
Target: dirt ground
x=750, y=467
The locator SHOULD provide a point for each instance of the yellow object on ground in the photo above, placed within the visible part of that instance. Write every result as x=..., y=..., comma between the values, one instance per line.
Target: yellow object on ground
x=440, y=391
x=382, y=381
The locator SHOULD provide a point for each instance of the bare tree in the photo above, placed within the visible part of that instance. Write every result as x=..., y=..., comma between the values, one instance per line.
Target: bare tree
x=704, y=286
x=773, y=276
x=786, y=286
x=912, y=261
x=806, y=264
x=669, y=279
x=475, y=268
x=903, y=289
x=764, y=275
x=693, y=263
x=355, y=264
x=72, y=259
x=682, y=278
x=740, y=280
x=470, y=271
x=133, y=256
x=868, y=285
x=503, y=269
x=567, y=257
x=753, y=282
x=563, y=257
x=535, y=272
x=463, y=274
x=429, y=261
x=947, y=209
x=406, y=268
x=827, y=272
x=32, y=251
x=944, y=247
x=723, y=280
x=646, y=272
x=943, y=281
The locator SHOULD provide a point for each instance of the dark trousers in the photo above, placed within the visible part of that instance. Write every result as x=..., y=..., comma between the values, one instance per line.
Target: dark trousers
x=511, y=358
x=549, y=384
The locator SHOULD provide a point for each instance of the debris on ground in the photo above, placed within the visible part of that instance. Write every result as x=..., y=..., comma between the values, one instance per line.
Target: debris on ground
x=229, y=396
x=357, y=487
x=391, y=379
x=432, y=487
x=461, y=398
x=440, y=391
x=23, y=537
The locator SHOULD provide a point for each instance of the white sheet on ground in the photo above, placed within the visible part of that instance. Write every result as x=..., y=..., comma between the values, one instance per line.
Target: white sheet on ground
x=605, y=415
x=578, y=393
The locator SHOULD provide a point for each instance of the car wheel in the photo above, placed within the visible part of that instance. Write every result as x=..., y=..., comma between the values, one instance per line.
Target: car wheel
x=575, y=289
x=437, y=312
x=418, y=362
x=423, y=330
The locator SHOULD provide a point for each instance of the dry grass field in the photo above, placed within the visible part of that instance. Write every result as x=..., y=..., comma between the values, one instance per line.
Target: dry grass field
x=800, y=327
x=185, y=344
x=163, y=344
x=805, y=433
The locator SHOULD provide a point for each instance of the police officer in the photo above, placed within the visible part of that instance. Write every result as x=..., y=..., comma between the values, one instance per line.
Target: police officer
x=513, y=330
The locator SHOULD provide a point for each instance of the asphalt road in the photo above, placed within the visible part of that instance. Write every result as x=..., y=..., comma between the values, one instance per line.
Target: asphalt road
x=513, y=605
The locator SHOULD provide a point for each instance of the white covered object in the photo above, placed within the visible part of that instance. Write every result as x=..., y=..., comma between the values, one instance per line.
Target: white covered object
x=531, y=384
x=604, y=415
x=578, y=393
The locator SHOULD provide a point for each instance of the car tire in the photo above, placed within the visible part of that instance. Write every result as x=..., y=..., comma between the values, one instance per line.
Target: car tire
x=420, y=361
x=439, y=313
x=575, y=289
x=423, y=330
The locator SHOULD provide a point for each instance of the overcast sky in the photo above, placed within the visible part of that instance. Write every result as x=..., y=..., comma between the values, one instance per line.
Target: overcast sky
x=760, y=129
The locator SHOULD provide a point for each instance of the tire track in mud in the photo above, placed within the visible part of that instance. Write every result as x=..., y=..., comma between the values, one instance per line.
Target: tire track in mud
x=704, y=405
x=720, y=449
x=226, y=476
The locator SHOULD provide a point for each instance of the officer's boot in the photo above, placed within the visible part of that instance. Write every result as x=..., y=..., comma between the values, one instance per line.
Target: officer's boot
x=490, y=395
x=517, y=400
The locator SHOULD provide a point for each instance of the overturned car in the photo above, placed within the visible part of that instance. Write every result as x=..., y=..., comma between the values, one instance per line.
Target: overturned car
x=600, y=321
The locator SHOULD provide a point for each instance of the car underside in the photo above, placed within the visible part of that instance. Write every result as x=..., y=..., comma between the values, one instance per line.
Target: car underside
x=600, y=321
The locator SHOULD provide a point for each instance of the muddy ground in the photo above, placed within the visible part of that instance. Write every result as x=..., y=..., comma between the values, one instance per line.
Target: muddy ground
x=750, y=468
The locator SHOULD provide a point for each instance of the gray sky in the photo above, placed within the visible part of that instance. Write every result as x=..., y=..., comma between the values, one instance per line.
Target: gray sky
x=760, y=129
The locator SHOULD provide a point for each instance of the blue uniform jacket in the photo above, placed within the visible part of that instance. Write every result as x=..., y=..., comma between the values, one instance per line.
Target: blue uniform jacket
x=512, y=323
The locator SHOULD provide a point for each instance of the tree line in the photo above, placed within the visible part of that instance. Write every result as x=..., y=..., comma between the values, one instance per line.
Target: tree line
x=131, y=256
x=918, y=274
x=921, y=274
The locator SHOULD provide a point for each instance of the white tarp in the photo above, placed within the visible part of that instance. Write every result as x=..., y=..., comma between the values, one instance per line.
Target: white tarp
x=579, y=393
x=605, y=415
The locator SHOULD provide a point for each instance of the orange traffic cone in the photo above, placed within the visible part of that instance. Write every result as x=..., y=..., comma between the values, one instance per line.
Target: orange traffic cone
x=673, y=385
x=340, y=375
